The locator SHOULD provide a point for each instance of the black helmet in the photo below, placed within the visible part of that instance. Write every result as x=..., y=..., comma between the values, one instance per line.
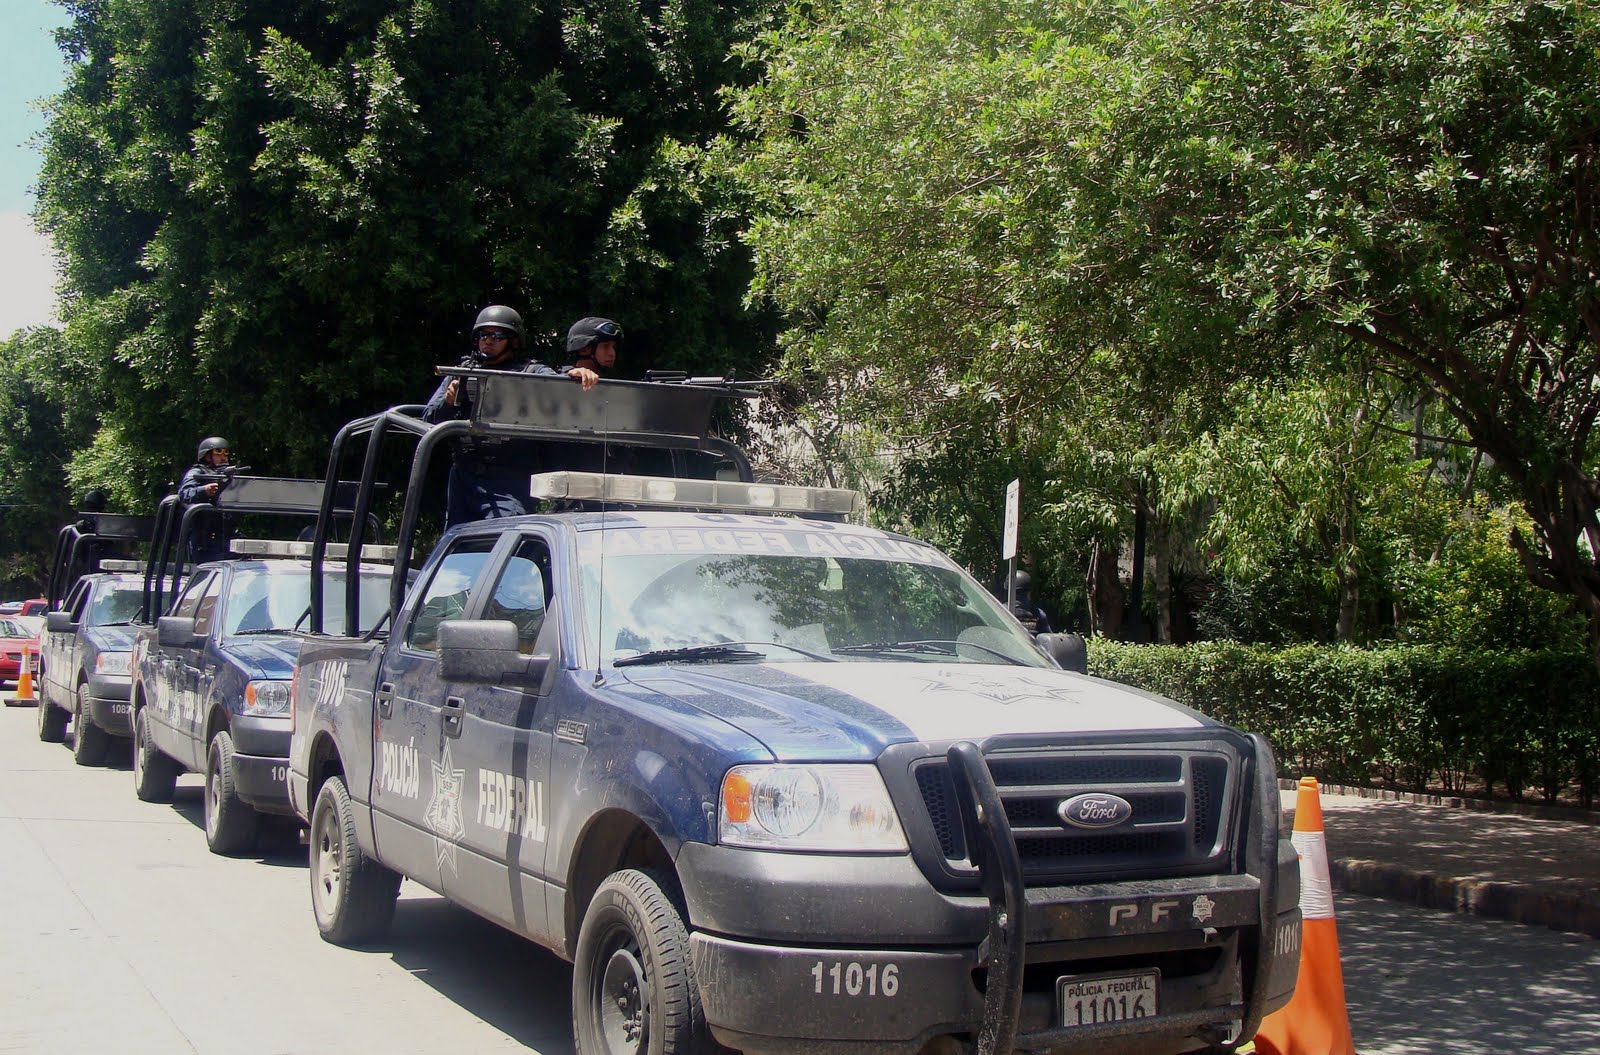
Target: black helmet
x=209, y=444
x=591, y=331
x=94, y=501
x=500, y=317
x=1022, y=581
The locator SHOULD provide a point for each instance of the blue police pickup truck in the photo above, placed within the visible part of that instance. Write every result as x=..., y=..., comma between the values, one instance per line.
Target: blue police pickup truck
x=211, y=687
x=87, y=643
x=780, y=783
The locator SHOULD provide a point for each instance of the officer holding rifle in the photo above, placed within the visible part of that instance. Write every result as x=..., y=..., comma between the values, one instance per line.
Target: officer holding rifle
x=211, y=533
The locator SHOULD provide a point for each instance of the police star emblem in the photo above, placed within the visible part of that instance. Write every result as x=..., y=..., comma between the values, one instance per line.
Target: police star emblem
x=444, y=809
x=1203, y=907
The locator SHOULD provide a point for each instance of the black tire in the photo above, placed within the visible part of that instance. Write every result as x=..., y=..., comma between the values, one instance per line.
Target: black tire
x=633, y=987
x=352, y=895
x=89, y=741
x=231, y=823
x=52, y=722
x=154, y=773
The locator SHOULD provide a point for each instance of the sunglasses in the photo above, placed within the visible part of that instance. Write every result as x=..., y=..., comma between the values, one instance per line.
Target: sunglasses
x=491, y=335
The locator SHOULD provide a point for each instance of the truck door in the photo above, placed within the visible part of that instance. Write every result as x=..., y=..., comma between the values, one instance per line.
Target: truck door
x=205, y=660
x=61, y=648
x=174, y=677
x=418, y=778
x=503, y=739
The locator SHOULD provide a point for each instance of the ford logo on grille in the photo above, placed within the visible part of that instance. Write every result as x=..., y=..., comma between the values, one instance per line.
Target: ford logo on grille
x=1095, y=810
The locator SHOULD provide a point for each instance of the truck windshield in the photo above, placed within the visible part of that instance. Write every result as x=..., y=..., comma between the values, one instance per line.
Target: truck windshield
x=895, y=601
x=278, y=600
x=114, y=606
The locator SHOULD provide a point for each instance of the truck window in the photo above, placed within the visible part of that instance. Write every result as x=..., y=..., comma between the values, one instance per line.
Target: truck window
x=278, y=600
x=448, y=590
x=114, y=605
x=76, y=602
x=205, y=612
x=190, y=599
x=522, y=592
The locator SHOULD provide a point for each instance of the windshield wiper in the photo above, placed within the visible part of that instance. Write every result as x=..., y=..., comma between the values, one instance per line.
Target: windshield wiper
x=692, y=654
x=265, y=630
x=940, y=648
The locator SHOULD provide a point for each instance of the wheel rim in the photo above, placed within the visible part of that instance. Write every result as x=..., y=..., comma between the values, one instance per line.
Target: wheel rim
x=213, y=795
x=138, y=749
x=621, y=998
x=327, y=864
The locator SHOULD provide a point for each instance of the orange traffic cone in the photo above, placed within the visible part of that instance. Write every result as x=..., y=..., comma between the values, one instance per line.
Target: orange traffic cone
x=1315, y=1021
x=25, y=679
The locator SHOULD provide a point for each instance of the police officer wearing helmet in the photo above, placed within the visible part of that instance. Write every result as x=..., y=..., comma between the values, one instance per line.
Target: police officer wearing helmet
x=593, y=344
x=488, y=483
x=209, y=534
x=1025, y=608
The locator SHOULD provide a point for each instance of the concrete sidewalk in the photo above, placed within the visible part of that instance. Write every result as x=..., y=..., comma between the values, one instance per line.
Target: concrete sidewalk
x=1508, y=861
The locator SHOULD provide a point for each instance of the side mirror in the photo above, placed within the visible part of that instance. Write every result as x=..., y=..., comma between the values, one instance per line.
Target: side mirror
x=485, y=650
x=59, y=622
x=176, y=631
x=1068, y=650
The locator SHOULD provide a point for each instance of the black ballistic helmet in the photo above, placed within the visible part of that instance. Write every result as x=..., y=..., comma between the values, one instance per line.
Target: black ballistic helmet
x=501, y=318
x=210, y=443
x=591, y=331
x=1022, y=581
x=94, y=501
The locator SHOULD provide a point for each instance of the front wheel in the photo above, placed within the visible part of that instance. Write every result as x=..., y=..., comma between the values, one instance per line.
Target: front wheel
x=633, y=987
x=89, y=741
x=230, y=822
x=52, y=721
x=352, y=895
x=154, y=773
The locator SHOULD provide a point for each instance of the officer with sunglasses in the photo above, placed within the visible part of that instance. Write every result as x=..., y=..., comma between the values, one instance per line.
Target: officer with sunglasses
x=490, y=482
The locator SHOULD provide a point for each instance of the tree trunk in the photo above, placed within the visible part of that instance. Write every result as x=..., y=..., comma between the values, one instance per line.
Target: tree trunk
x=1103, y=584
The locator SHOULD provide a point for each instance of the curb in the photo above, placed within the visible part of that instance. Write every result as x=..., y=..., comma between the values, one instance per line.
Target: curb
x=1461, y=802
x=1567, y=907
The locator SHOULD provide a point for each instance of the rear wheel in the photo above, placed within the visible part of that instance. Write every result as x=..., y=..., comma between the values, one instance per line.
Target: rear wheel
x=153, y=772
x=231, y=823
x=52, y=721
x=352, y=895
x=633, y=987
x=89, y=741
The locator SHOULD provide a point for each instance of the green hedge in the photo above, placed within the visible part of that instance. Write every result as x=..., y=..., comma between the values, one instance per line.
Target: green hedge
x=1411, y=717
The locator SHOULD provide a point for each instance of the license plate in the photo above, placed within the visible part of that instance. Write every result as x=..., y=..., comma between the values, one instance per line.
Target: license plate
x=1088, y=1000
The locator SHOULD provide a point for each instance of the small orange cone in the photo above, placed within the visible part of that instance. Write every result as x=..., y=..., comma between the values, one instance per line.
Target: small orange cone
x=1315, y=1021
x=25, y=679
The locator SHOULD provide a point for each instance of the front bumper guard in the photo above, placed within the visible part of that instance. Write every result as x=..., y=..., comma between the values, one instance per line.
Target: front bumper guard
x=1003, y=951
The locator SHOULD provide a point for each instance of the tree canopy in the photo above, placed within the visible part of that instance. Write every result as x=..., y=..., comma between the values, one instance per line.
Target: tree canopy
x=275, y=218
x=1018, y=197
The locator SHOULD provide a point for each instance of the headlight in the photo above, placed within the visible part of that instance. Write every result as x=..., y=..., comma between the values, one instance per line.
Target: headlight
x=111, y=663
x=266, y=697
x=840, y=808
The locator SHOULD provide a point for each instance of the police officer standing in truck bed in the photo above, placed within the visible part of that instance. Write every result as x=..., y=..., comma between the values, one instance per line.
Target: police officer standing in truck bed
x=485, y=483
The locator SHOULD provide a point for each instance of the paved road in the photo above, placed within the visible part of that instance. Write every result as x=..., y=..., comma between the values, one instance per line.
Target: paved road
x=120, y=932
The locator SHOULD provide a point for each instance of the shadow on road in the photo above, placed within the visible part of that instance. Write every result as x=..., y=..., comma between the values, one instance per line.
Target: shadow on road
x=511, y=984
x=278, y=843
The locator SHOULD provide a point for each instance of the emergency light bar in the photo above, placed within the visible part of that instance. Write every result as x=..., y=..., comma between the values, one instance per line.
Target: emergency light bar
x=669, y=493
x=266, y=547
x=112, y=564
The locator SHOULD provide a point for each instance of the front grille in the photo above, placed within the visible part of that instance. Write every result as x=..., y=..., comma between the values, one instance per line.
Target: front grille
x=1180, y=799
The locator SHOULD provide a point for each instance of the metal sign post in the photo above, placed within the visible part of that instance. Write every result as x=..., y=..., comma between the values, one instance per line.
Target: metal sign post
x=1008, y=549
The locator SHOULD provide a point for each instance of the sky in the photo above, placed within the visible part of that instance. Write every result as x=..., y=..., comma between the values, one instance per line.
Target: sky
x=34, y=70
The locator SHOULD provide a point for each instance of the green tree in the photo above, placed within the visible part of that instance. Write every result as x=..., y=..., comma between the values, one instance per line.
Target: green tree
x=277, y=217
x=1002, y=189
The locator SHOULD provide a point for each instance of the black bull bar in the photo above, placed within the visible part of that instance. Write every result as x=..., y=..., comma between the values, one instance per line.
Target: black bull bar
x=1004, y=950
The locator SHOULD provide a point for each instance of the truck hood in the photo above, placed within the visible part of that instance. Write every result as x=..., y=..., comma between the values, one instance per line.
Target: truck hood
x=110, y=638
x=267, y=656
x=852, y=711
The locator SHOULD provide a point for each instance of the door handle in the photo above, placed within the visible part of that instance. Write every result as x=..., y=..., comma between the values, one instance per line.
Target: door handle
x=385, y=697
x=452, y=715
